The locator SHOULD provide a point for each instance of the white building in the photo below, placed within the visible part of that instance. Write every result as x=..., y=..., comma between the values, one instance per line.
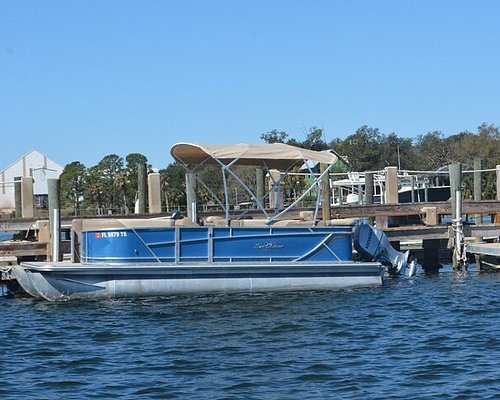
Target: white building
x=33, y=164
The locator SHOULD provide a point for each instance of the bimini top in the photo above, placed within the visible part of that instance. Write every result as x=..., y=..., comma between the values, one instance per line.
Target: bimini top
x=275, y=155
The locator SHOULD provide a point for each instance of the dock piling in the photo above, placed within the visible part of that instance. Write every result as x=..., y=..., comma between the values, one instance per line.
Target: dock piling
x=260, y=178
x=459, y=256
x=154, y=194
x=18, y=196
x=191, y=196
x=141, y=188
x=497, y=216
x=54, y=189
x=28, y=210
x=325, y=191
x=391, y=185
x=477, y=186
x=455, y=171
x=369, y=193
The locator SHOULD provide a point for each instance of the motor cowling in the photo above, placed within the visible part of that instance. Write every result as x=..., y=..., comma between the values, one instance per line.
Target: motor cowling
x=373, y=244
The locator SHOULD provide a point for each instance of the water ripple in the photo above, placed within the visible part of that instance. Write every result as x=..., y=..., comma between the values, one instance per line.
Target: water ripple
x=431, y=337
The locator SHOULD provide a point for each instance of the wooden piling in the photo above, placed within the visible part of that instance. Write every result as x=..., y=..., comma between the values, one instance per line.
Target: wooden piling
x=54, y=189
x=141, y=188
x=369, y=193
x=391, y=185
x=154, y=194
x=391, y=194
x=478, y=218
x=260, y=178
x=18, y=197
x=455, y=171
x=431, y=247
x=325, y=193
x=76, y=238
x=276, y=195
x=477, y=186
x=27, y=208
x=497, y=216
x=412, y=182
x=191, y=196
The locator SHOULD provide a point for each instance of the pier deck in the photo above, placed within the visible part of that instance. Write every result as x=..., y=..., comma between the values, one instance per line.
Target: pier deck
x=487, y=254
x=489, y=249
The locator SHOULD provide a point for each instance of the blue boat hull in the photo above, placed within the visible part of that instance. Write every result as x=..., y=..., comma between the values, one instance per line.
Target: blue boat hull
x=216, y=245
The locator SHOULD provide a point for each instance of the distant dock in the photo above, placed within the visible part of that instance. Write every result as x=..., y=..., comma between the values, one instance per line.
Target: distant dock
x=487, y=254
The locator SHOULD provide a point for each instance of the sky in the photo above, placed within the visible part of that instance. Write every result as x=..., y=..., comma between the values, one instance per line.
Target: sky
x=83, y=79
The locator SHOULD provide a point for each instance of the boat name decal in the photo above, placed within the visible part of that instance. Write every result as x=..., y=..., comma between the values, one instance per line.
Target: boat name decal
x=268, y=246
x=114, y=234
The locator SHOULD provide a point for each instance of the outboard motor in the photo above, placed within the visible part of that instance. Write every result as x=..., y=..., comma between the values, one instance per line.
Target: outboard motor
x=372, y=244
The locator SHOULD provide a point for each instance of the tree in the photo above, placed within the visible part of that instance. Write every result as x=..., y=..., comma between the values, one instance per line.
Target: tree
x=104, y=176
x=173, y=185
x=73, y=185
x=94, y=189
x=432, y=151
x=274, y=136
x=314, y=140
x=396, y=151
x=122, y=183
x=362, y=149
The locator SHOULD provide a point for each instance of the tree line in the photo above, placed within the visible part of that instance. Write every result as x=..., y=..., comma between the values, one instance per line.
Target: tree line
x=112, y=183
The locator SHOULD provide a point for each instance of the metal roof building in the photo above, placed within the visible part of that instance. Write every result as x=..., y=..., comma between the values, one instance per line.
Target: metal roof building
x=33, y=164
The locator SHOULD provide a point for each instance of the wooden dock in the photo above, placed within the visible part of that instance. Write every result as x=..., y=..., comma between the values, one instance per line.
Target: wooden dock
x=486, y=254
x=402, y=222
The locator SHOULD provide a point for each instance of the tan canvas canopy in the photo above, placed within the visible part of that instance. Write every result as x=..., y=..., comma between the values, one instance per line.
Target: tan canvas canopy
x=276, y=155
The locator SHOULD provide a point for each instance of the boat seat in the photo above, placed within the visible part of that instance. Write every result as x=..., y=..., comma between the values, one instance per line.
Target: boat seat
x=337, y=222
x=120, y=223
x=212, y=219
x=306, y=215
x=184, y=222
x=249, y=222
x=292, y=222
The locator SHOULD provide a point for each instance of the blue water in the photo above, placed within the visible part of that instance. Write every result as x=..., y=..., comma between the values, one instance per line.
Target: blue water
x=426, y=338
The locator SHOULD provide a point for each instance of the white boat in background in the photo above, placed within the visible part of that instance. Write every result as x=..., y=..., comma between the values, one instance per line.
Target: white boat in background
x=135, y=258
x=351, y=190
